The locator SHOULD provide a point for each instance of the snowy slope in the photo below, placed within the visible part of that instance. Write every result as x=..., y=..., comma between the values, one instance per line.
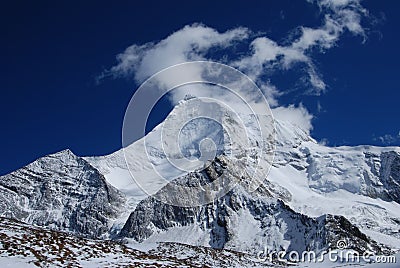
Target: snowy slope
x=144, y=167
x=61, y=191
x=308, y=182
x=240, y=221
x=23, y=245
x=360, y=183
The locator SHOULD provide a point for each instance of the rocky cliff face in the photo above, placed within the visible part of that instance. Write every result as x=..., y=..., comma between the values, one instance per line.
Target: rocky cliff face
x=61, y=191
x=367, y=170
x=312, y=195
x=240, y=220
x=384, y=178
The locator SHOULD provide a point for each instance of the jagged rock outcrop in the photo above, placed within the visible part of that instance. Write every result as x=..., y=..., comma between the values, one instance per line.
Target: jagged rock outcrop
x=383, y=178
x=61, y=191
x=307, y=183
x=240, y=220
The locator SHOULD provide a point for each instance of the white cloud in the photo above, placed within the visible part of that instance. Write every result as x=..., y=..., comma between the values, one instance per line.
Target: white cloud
x=271, y=93
x=319, y=107
x=188, y=44
x=341, y=15
x=388, y=139
x=298, y=116
x=324, y=142
x=194, y=42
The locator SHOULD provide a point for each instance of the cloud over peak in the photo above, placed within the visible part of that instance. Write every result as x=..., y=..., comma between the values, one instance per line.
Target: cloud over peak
x=187, y=44
x=263, y=57
x=194, y=42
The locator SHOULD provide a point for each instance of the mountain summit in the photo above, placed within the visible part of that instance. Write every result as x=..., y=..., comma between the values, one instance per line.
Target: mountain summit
x=312, y=197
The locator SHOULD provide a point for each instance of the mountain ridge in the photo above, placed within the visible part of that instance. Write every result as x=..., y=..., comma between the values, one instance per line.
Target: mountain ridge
x=318, y=188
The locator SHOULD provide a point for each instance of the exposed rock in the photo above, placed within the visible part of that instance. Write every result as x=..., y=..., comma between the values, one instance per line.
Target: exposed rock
x=61, y=191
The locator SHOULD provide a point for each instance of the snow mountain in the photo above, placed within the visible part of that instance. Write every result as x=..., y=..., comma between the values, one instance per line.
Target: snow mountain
x=240, y=221
x=64, y=192
x=313, y=196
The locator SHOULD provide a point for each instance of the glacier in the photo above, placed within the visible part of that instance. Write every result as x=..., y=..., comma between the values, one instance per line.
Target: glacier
x=313, y=195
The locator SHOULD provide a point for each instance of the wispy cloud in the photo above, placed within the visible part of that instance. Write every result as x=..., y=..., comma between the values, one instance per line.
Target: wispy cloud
x=389, y=139
x=339, y=16
x=296, y=115
x=265, y=56
x=188, y=44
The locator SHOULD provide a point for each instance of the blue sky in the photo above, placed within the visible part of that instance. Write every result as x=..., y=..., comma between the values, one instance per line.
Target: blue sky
x=53, y=53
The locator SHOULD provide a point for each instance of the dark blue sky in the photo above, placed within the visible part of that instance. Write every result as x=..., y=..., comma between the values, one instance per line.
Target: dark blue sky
x=52, y=52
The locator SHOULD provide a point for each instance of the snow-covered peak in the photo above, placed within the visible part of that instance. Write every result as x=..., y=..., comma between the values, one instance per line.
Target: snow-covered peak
x=196, y=131
x=360, y=183
x=288, y=134
x=61, y=191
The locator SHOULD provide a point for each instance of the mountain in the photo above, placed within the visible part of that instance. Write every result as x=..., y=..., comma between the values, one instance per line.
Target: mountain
x=240, y=221
x=313, y=196
x=359, y=183
x=61, y=191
